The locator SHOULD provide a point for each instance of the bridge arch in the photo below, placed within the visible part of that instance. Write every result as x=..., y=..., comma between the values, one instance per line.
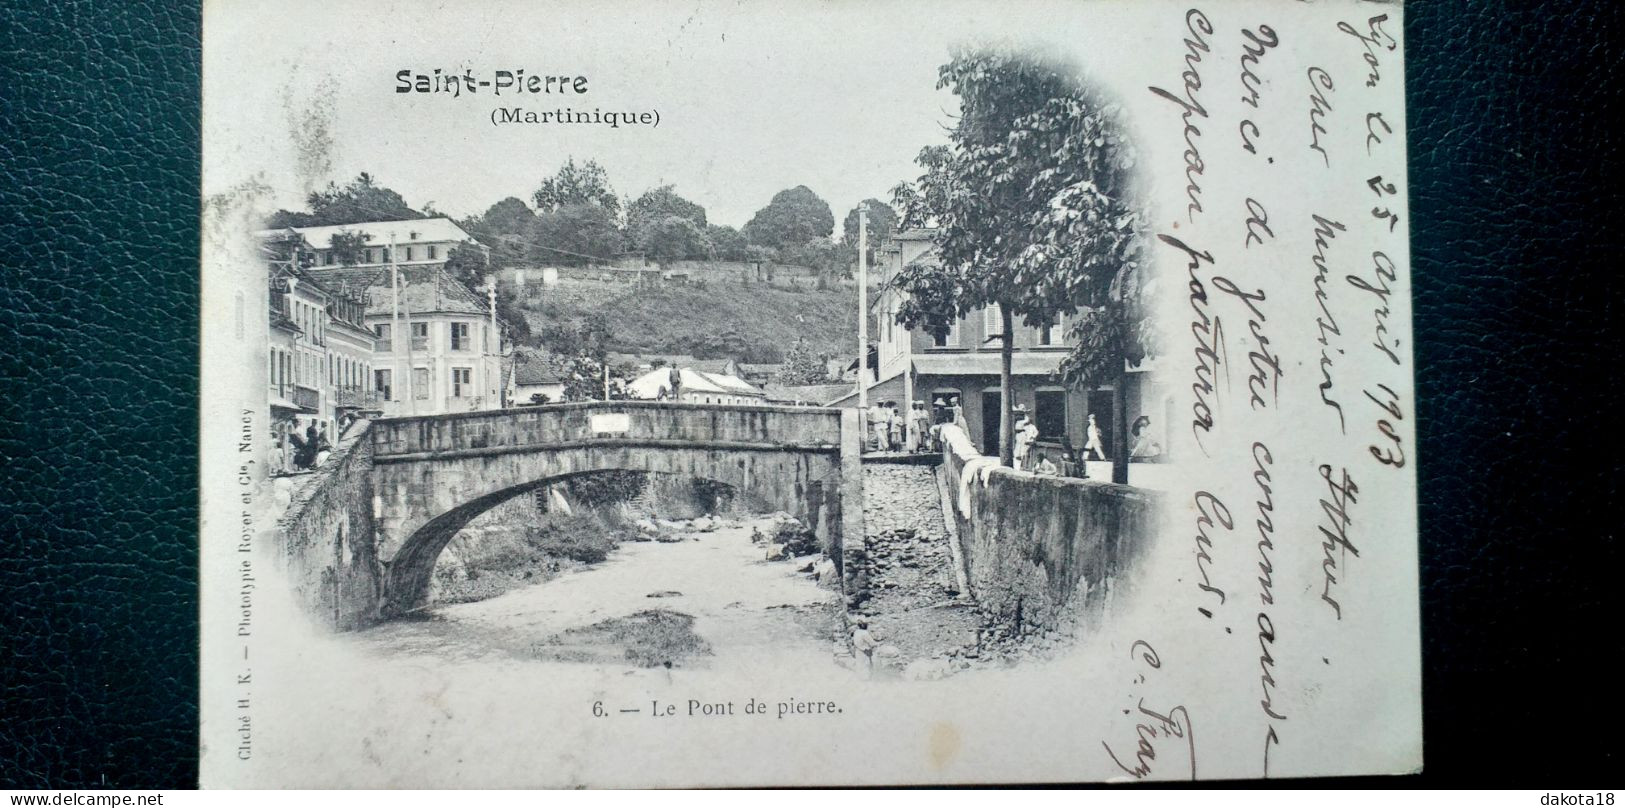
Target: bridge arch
x=432, y=475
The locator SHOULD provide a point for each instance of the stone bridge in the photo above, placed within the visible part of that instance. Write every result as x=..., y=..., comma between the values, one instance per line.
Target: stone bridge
x=427, y=477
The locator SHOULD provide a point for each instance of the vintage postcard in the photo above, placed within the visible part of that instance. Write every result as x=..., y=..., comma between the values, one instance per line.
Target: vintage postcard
x=806, y=393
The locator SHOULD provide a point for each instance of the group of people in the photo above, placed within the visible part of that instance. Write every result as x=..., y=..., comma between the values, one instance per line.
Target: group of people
x=893, y=430
x=307, y=451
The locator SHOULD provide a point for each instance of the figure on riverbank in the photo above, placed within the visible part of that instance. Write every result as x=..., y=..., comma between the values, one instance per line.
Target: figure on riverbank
x=864, y=645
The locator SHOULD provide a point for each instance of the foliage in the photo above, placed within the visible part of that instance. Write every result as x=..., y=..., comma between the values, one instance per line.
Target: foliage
x=802, y=365
x=828, y=258
x=882, y=225
x=1031, y=204
x=577, y=234
x=505, y=228
x=727, y=243
x=674, y=238
x=349, y=247
x=362, y=200
x=648, y=227
x=576, y=185
x=584, y=379
x=792, y=217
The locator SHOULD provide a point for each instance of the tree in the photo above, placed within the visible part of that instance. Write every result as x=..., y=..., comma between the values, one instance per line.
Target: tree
x=585, y=184
x=349, y=246
x=727, y=243
x=362, y=200
x=674, y=238
x=828, y=258
x=505, y=228
x=802, y=366
x=882, y=224
x=650, y=212
x=577, y=234
x=794, y=216
x=1031, y=203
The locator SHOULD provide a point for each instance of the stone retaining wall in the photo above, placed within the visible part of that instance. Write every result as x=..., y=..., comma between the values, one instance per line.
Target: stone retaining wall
x=327, y=537
x=1042, y=550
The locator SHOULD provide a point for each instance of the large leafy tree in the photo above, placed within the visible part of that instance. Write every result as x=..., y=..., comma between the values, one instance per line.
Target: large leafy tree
x=573, y=185
x=792, y=218
x=576, y=234
x=658, y=203
x=882, y=224
x=361, y=200
x=1031, y=201
x=505, y=228
x=667, y=227
x=674, y=238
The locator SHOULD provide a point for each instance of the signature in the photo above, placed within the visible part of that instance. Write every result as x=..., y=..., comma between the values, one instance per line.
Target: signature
x=1170, y=728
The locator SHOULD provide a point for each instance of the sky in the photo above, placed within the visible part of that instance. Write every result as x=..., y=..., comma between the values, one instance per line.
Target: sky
x=754, y=98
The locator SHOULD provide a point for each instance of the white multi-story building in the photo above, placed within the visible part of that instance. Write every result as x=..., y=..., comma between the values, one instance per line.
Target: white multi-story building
x=439, y=347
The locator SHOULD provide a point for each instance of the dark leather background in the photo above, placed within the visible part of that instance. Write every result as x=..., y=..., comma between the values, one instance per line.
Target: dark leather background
x=1513, y=112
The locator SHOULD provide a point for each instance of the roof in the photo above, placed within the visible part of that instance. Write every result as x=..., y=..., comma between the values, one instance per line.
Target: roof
x=653, y=383
x=818, y=394
x=669, y=361
x=435, y=293
x=406, y=231
x=536, y=368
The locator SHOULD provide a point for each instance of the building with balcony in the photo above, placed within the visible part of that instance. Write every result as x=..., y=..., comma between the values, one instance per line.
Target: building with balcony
x=963, y=361
x=319, y=355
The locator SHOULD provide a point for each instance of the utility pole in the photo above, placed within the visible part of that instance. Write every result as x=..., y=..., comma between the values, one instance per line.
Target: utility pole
x=403, y=380
x=863, y=310
x=491, y=296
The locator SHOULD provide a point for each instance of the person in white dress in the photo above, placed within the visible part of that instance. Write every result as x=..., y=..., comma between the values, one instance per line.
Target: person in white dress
x=1095, y=445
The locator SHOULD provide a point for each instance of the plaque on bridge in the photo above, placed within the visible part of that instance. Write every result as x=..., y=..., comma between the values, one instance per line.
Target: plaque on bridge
x=807, y=394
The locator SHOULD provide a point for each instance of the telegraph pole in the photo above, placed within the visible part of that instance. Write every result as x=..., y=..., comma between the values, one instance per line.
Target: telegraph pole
x=863, y=310
x=403, y=380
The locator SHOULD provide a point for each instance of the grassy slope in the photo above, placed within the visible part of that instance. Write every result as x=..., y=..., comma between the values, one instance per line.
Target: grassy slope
x=651, y=319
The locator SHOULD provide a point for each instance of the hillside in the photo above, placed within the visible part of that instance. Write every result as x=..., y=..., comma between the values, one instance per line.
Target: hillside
x=754, y=322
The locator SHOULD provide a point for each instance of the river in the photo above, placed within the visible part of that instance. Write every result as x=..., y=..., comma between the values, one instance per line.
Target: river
x=707, y=602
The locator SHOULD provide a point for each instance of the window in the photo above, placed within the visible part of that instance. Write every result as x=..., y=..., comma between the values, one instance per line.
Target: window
x=992, y=322
x=947, y=337
x=1052, y=335
x=385, y=251
x=327, y=257
x=1049, y=413
x=431, y=249
x=382, y=382
x=420, y=383
x=408, y=253
x=384, y=341
x=462, y=382
x=459, y=336
x=420, y=336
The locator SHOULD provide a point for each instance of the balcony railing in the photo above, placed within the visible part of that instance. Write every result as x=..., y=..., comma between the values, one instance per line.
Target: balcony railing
x=420, y=343
x=384, y=345
x=355, y=396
